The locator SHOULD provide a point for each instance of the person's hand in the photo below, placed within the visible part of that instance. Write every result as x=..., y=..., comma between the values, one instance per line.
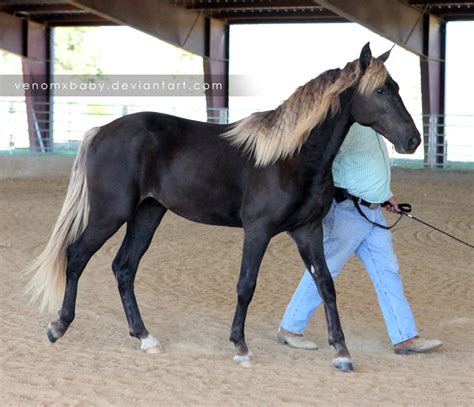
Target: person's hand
x=392, y=205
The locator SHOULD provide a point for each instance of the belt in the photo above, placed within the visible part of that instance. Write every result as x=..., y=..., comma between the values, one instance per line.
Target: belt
x=341, y=194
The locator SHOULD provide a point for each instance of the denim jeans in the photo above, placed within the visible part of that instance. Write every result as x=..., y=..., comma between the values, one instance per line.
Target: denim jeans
x=346, y=232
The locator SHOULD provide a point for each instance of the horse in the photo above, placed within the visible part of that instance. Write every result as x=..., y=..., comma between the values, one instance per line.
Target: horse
x=268, y=173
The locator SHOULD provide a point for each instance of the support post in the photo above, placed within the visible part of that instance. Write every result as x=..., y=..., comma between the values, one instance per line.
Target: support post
x=11, y=34
x=433, y=71
x=37, y=68
x=216, y=70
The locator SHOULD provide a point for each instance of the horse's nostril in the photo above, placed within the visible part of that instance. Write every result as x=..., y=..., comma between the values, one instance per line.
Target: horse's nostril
x=413, y=142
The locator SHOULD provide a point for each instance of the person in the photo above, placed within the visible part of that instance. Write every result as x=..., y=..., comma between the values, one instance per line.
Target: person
x=361, y=169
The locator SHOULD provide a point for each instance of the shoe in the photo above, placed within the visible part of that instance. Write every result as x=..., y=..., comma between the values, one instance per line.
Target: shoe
x=416, y=345
x=295, y=341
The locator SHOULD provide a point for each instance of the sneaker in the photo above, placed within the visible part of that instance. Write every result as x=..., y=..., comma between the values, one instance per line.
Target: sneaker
x=416, y=345
x=295, y=341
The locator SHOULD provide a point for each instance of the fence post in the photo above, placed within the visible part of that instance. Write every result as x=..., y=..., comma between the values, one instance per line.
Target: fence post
x=11, y=119
x=437, y=144
x=432, y=140
x=442, y=143
x=223, y=115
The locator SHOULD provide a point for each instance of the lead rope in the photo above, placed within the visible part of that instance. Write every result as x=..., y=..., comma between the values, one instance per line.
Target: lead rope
x=405, y=209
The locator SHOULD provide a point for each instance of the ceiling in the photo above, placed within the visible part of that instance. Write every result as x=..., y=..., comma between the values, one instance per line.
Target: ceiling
x=235, y=11
x=52, y=13
x=62, y=13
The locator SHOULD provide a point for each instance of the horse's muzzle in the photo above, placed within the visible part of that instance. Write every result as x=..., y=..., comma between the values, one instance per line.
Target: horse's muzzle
x=412, y=144
x=410, y=147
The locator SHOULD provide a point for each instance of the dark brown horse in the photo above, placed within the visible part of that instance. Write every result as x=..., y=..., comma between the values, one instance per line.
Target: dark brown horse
x=269, y=173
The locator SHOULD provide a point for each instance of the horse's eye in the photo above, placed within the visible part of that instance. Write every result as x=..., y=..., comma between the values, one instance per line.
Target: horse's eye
x=380, y=91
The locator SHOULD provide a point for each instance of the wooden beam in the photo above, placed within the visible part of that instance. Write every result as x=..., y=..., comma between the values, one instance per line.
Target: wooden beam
x=441, y=2
x=38, y=8
x=391, y=19
x=279, y=15
x=162, y=19
x=85, y=22
x=12, y=36
x=73, y=20
x=265, y=4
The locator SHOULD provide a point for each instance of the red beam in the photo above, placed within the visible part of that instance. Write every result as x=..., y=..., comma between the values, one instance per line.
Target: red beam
x=433, y=90
x=261, y=4
x=37, y=69
x=282, y=14
x=38, y=8
x=12, y=34
x=78, y=19
x=216, y=66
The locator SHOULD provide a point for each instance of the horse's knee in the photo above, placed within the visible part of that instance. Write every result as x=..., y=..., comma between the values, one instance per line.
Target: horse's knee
x=117, y=264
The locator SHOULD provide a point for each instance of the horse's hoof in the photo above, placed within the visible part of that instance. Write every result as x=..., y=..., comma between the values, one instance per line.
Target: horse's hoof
x=154, y=350
x=246, y=361
x=151, y=345
x=53, y=333
x=344, y=364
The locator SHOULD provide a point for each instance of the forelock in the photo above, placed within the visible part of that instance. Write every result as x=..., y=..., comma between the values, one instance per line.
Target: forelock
x=374, y=76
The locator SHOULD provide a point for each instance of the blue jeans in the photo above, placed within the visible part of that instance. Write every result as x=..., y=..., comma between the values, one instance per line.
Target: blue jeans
x=346, y=232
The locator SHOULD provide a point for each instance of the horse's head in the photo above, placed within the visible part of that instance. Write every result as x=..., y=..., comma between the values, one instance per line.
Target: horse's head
x=377, y=104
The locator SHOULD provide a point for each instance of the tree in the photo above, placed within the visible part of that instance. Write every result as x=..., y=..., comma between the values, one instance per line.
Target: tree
x=71, y=56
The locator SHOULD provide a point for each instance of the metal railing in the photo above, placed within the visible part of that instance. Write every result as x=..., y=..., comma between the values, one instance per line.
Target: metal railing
x=446, y=138
x=62, y=126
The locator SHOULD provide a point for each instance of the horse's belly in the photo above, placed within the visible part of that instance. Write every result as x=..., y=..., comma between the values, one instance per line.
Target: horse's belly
x=208, y=218
x=201, y=201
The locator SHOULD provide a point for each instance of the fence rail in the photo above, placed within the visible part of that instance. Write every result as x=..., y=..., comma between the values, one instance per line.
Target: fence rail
x=446, y=138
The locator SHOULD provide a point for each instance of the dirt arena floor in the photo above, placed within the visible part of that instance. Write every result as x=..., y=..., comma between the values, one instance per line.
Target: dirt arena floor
x=186, y=289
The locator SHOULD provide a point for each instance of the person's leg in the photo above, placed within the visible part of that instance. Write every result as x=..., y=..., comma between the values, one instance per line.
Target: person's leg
x=343, y=233
x=377, y=254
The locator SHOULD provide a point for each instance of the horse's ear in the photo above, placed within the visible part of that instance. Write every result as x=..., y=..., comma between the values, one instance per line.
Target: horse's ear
x=385, y=55
x=365, y=57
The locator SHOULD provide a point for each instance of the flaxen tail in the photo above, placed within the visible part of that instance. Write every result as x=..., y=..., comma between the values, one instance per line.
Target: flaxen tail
x=48, y=271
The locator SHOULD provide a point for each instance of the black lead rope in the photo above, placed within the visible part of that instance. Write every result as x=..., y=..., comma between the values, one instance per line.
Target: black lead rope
x=405, y=209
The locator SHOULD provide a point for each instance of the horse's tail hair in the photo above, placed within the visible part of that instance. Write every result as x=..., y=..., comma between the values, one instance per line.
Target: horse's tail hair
x=48, y=270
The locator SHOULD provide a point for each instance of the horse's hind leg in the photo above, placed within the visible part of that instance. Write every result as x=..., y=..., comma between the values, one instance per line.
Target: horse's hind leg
x=140, y=230
x=97, y=232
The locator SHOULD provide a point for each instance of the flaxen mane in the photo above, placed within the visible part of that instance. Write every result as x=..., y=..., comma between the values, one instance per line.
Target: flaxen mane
x=281, y=132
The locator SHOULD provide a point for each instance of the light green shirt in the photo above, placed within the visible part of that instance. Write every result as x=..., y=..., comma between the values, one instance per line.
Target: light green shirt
x=362, y=165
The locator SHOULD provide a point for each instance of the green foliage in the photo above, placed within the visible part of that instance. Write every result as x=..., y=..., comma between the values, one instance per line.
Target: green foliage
x=71, y=57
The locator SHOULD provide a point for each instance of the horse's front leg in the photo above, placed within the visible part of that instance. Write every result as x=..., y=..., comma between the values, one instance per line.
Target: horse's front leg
x=309, y=239
x=255, y=243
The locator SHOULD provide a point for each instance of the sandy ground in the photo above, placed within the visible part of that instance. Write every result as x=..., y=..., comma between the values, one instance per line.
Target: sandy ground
x=186, y=289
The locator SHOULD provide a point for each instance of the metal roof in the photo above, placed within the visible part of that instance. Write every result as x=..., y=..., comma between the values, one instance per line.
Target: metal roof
x=236, y=11
x=55, y=13
x=52, y=13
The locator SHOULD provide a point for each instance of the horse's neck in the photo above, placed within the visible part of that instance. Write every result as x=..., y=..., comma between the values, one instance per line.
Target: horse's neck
x=320, y=149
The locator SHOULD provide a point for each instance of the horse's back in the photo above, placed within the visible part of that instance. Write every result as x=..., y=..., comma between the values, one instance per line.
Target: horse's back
x=185, y=165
